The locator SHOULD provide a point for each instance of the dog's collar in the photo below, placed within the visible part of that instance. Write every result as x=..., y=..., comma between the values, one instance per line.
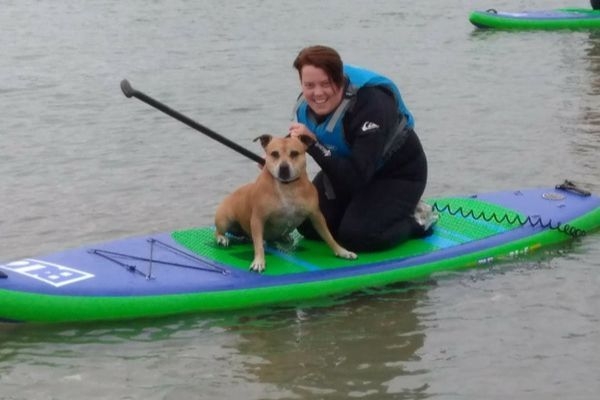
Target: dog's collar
x=287, y=182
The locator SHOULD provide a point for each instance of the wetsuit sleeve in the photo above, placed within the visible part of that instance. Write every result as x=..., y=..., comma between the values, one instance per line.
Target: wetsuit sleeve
x=366, y=127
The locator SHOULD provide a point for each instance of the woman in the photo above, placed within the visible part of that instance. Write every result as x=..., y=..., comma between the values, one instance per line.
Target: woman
x=373, y=167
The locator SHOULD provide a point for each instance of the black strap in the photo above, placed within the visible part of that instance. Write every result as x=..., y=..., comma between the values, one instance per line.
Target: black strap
x=397, y=139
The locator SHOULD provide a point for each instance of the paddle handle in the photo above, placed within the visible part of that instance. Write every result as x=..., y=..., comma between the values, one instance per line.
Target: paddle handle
x=129, y=91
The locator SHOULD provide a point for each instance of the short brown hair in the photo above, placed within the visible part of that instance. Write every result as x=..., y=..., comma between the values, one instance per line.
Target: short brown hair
x=322, y=57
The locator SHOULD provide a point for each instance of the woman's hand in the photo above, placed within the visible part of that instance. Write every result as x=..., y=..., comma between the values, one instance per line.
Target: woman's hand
x=298, y=129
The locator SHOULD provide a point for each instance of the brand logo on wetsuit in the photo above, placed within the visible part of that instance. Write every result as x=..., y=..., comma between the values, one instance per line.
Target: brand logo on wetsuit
x=369, y=126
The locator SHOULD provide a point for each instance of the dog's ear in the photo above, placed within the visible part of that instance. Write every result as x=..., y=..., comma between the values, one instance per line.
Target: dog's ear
x=264, y=140
x=307, y=140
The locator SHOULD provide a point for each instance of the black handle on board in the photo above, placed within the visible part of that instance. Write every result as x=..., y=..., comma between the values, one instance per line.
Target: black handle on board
x=129, y=91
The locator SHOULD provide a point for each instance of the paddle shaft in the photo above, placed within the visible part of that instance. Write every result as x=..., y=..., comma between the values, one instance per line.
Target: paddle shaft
x=129, y=91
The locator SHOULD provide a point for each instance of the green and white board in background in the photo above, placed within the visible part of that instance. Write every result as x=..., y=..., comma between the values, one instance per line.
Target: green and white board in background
x=564, y=18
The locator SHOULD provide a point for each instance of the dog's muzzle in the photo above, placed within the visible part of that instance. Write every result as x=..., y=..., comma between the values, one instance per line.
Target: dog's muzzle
x=284, y=173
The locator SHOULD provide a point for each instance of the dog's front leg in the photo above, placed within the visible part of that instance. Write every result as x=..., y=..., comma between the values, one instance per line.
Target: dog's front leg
x=318, y=221
x=257, y=227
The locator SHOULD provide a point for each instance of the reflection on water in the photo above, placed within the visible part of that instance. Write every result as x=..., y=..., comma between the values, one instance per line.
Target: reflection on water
x=361, y=346
x=350, y=350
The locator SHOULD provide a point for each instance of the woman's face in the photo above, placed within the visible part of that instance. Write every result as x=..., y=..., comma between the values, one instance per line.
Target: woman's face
x=322, y=95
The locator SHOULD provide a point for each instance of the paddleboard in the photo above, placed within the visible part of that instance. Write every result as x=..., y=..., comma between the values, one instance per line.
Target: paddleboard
x=185, y=271
x=564, y=18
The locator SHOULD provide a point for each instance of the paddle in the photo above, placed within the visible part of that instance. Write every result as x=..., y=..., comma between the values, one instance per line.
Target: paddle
x=129, y=91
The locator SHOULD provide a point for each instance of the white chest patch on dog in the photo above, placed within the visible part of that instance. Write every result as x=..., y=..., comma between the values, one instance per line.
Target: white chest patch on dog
x=283, y=222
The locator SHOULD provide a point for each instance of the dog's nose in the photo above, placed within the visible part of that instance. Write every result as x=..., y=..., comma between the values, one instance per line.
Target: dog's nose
x=284, y=172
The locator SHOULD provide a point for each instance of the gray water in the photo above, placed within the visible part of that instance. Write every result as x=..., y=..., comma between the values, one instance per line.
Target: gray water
x=82, y=164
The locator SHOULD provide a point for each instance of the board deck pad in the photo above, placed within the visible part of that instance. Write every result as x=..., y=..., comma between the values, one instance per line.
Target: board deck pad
x=452, y=229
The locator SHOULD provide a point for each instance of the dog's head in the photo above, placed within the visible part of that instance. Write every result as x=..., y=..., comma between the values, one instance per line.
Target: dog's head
x=285, y=157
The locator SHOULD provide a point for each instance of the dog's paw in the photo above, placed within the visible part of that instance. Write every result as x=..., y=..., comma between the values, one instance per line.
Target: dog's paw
x=257, y=266
x=348, y=255
x=222, y=240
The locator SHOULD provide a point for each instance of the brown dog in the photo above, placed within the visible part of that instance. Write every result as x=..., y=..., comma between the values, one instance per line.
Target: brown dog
x=280, y=199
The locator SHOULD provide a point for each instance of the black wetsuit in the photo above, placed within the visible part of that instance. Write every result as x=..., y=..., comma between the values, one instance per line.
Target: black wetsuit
x=595, y=4
x=369, y=198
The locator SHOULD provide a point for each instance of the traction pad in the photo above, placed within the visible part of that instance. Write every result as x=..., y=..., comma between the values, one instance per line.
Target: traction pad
x=452, y=229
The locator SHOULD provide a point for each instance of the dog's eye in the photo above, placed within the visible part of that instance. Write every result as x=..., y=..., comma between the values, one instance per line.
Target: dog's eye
x=294, y=153
x=275, y=154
